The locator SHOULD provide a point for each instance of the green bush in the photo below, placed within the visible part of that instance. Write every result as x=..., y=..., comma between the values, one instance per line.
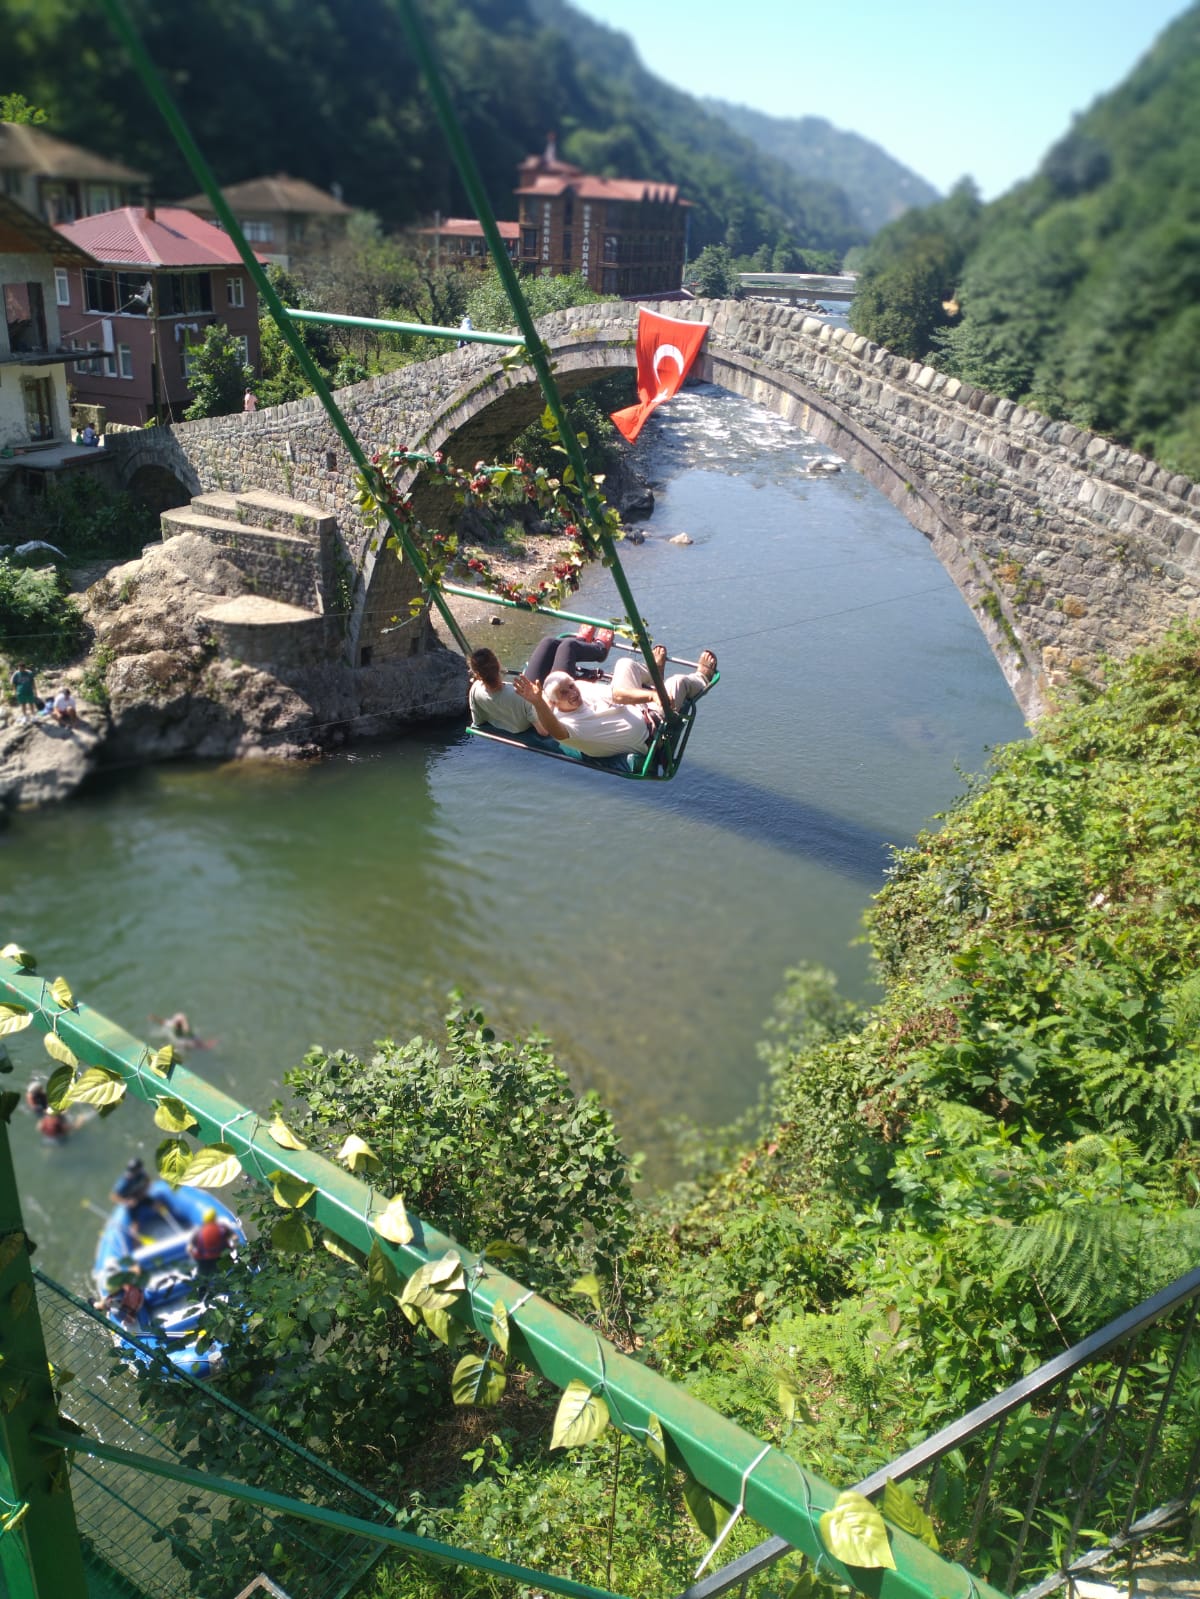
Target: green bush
x=39, y=622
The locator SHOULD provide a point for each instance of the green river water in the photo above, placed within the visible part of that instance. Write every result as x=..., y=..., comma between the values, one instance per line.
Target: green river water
x=644, y=927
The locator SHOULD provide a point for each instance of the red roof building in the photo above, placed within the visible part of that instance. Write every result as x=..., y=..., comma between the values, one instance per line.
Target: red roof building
x=624, y=235
x=283, y=217
x=459, y=241
x=164, y=275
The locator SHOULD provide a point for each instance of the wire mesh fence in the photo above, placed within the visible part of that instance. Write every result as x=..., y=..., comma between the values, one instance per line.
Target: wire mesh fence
x=164, y=1539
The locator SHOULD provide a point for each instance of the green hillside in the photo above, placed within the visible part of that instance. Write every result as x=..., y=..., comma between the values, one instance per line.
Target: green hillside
x=1079, y=291
x=878, y=186
x=329, y=92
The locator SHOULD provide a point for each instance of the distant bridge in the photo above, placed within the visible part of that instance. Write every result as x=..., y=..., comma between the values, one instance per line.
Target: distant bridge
x=793, y=286
x=1067, y=548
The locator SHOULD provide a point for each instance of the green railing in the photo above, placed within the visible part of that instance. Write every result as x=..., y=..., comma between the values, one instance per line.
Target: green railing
x=734, y=1467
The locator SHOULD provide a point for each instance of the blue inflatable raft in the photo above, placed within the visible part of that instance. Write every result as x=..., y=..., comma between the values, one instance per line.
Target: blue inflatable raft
x=144, y=1246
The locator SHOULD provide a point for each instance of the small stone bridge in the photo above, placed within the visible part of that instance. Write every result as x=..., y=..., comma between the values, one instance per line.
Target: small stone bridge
x=1066, y=547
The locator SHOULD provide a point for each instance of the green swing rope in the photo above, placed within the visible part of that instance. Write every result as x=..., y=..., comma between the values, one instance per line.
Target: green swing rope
x=535, y=349
x=148, y=73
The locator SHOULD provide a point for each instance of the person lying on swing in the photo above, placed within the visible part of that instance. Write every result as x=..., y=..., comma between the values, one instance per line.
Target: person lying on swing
x=591, y=719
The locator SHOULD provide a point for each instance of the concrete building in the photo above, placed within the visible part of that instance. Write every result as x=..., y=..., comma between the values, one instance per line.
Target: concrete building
x=283, y=217
x=35, y=415
x=161, y=276
x=61, y=182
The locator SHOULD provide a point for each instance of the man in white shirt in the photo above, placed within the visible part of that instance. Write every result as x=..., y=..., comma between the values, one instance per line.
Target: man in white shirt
x=64, y=708
x=586, y=716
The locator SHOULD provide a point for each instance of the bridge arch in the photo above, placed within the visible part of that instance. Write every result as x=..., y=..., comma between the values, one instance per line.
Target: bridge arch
x=1067, y=548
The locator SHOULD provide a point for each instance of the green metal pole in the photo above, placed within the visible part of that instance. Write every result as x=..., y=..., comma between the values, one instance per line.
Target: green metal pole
x=153, y=84
x=40, y=1554
x=538, y=356
x=466, y=335
x=283, y=1505
x=775, y=1491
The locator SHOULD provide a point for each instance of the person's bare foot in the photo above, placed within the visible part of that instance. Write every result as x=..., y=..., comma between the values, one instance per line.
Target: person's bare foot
x=707, y=665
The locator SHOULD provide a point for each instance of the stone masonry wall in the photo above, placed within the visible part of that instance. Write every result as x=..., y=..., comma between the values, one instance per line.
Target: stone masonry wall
x=1067, y=547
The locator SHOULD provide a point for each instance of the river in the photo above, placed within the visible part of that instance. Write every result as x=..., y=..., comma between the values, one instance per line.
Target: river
x=644, y=927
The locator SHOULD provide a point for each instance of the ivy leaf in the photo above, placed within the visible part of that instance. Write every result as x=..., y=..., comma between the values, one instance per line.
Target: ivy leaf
x=855, y=1533
x=501, y=1249
x=708, y=1513
x=291, y=1193
x=358, y=1154
x=381, y=1274
x=172, y=1158
x=97, y=1086
x=656, y=1443
x=173, y=1116
x=14, y=952
x=499, y=1326
x=477, y=1382
x=291, y=1235
x=13, y=1019
x=343, y=1251
x=61, y=990
x=436, y=1284
x=58, y=1087
x=580, y=1417
x=393, y=1223
x=162, y=1060
x=57, y=1050
x=11, y=1246
x=283, y=1135
x=440, y=1325
x=902, y=1510
x=589, y=1286
x=214, y=1166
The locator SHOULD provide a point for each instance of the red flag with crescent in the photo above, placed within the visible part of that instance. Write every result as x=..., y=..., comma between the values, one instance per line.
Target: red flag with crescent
x=666, y=348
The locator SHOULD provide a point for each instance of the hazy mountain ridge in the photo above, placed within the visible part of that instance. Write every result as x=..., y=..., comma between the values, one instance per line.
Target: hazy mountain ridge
x=879, y=187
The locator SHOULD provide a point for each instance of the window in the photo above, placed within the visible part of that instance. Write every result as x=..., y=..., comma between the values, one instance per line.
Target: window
x=612, y=247
x=12, y=181
x=235, y=291
x=125, y=360
x=568, y=210
x=38, y=395
x=98, y=197
x=568, y=243
x=25, y=313
x=180, y=293
x=528, y=241
x=258, y=232
x=242, y=345
x=609, y=280
x=99, y=292
x=62, y=287
x=97, y=365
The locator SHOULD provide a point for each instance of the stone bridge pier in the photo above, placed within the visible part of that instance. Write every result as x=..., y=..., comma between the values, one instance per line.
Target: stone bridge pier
x=1066, y=547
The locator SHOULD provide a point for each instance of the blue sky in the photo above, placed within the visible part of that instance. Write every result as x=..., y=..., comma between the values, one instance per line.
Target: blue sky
x=946, y=86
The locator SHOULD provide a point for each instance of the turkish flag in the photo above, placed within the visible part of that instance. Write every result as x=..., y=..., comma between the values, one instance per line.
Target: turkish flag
x=666, y=348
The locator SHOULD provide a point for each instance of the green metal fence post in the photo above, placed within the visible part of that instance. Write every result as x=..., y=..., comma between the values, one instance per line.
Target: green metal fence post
x=40, y=1554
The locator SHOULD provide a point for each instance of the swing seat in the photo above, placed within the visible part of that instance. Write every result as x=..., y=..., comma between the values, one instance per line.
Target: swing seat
x=658, y=765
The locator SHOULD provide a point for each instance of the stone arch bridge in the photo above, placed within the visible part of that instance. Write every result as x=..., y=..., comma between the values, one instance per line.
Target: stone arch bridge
x=1066, y=547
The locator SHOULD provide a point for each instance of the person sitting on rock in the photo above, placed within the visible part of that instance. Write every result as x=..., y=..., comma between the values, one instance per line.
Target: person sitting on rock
x=64, y=712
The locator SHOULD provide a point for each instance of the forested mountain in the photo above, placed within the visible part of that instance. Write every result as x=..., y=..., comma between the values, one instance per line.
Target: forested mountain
x=1079, y=290
x=879, y=187
x=327, y=90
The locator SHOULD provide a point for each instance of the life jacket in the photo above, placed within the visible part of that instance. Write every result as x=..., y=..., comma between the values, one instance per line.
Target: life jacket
x=131, y=1301
x=208, y=1241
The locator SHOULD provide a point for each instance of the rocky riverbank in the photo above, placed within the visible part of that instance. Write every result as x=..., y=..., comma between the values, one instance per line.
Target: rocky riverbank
x=154, y=686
